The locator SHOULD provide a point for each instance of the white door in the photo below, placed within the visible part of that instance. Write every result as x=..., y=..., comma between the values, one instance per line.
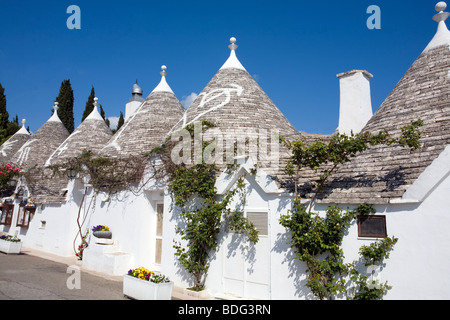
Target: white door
x=246, y=269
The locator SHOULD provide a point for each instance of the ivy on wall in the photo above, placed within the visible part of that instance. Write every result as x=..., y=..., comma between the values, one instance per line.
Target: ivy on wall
x=202, y=211
x=317, y=239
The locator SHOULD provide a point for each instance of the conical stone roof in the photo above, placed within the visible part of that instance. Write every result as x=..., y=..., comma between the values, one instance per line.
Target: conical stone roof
x=239, y=107
x=383, y=174
x=92, y=135
x=234, y=100
x=13, y=144
x=149, y=125
x=43, y=143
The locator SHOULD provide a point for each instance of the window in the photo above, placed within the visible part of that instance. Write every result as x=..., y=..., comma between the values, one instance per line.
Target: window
x=7, y=213
x=259, y=219
x=20, y=216
x=25, y=215
x=372, y=226
x=159, y=232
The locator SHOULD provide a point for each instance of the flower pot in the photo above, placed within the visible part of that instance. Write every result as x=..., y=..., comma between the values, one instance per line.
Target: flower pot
x=139, y=289
x=103, y=234
x=10, y=247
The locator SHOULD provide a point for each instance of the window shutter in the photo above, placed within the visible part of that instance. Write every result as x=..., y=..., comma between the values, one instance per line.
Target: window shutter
x=260, y=220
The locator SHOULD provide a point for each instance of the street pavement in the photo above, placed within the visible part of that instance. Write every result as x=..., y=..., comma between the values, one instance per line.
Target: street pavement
x=35, y=275
x=30, y=277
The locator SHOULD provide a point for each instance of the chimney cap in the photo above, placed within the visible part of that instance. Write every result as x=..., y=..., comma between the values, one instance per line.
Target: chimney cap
x=137, y=89
x=348, y=73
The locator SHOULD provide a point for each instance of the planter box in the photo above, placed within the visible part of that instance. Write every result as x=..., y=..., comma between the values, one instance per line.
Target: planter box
x=145, y=290
x=10, y=247
x=102, y=234
x=103, y=237
x=203, y=295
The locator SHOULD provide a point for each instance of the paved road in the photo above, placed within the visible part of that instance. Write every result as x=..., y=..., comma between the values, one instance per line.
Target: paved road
x=30, y=277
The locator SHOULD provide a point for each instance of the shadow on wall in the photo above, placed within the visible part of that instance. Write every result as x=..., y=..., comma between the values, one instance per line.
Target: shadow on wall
x=297, y=269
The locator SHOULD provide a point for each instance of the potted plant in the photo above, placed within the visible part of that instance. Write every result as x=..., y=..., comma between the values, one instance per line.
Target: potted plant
x=30, y=203
x=101, y=231
x=142, y=284
x=10, y=244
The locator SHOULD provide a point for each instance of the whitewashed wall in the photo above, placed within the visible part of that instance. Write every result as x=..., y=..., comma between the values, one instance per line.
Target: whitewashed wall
x=417, y=268
x=53, y=227
x=420, y=262
x=132, y=221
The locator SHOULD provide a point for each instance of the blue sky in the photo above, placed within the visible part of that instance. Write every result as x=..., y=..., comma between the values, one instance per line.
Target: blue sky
x=293, y=48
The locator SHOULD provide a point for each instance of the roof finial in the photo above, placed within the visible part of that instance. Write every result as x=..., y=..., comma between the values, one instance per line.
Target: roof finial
x=94, y=115
x=23, y=130
x=233, y=46
x=55, y=117
x=163, y=72
x=233, y=61
x=442, y=36
x=441, y=16
x=440, y=6
x=163, y=86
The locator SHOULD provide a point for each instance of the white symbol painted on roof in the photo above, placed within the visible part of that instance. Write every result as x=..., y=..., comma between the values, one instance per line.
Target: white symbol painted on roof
x=209, y=97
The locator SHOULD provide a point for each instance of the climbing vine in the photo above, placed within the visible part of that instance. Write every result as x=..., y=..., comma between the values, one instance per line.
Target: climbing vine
x=202, y=211
x=368, y=287
x=105, y=174
x=317, y=239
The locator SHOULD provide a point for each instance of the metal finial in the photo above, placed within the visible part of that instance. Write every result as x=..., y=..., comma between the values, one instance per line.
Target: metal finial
x=233, y=45
x=163, y=72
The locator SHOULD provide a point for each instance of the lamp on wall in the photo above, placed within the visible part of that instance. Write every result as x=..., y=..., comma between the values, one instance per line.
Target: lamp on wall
x=12, y=183
x=71, y=173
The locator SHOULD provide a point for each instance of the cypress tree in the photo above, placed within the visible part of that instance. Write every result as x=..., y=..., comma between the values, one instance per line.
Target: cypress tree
x=121, y=121
x=102, y=113
x=12, y=128
x=7, y=128
x=65, y=100
x=4, y=115
x=89, y=105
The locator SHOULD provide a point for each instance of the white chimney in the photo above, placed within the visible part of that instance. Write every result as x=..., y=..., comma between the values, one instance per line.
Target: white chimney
x=355, y=103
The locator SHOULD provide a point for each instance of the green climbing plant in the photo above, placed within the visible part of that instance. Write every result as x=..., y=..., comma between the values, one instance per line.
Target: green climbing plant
x=317, y=239
x=202, y=211
x=367, y=287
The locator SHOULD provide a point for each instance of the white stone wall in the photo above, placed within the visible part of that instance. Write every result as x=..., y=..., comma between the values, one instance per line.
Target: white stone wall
x=416, y=269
